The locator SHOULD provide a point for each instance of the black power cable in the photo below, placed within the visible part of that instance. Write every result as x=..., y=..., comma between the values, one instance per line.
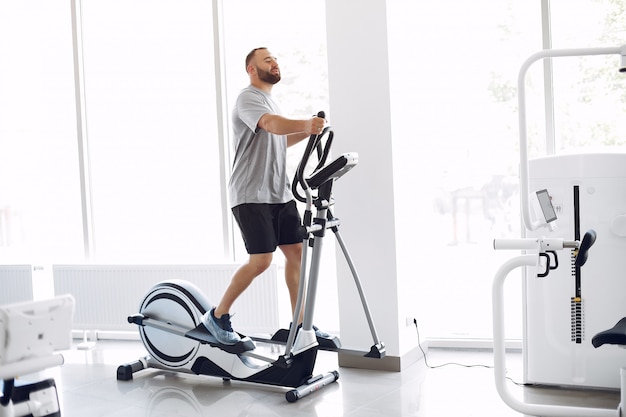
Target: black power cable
x=419, y=343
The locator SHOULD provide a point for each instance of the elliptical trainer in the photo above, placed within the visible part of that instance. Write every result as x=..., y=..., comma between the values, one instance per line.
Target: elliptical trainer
x=169, y=315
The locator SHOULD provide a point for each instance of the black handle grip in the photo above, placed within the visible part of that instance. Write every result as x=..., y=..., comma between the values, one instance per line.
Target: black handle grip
x=312, y=144
x=583, y=252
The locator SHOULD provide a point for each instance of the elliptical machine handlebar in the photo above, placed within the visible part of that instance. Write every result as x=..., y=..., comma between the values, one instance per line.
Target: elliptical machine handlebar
x=314, y=143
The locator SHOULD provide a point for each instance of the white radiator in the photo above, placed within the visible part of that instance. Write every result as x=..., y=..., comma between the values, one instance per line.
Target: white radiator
x=107, y=294
x=16, y=283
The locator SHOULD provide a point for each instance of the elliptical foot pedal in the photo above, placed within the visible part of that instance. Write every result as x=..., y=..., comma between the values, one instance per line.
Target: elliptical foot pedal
x=331, y=342
x=202, y=335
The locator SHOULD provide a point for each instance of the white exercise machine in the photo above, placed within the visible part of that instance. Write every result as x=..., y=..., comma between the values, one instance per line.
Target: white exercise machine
x=169, y=315
x=30, y=333
x=542, y=254
x=560, y=307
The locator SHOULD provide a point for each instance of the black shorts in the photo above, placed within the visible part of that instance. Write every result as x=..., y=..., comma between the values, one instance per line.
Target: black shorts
x=264, y=227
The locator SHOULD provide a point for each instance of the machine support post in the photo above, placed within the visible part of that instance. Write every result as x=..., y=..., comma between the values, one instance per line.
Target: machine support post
x=357, y=281
x=316, y=257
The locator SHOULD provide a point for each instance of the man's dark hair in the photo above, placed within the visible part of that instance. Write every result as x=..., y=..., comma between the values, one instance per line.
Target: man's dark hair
x=251, y=55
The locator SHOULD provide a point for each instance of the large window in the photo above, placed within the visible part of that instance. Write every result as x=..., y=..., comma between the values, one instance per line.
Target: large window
x=300, y=49
x=453, y=71
x=302, y=92
x=589, y=92
x=457, y=90
x=153, y=108
x=40, y=211
x=152, y=131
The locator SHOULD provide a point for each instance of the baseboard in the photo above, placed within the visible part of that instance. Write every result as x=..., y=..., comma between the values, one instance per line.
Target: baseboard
x=444, y=343
x=94, y=335
x=353, y=359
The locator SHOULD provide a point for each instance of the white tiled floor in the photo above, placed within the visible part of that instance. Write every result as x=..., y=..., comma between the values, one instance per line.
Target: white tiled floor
x=88, y=387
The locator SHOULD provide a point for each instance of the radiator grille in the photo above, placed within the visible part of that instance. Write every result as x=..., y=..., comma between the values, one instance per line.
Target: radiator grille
x=16, y=283
x=107, y=294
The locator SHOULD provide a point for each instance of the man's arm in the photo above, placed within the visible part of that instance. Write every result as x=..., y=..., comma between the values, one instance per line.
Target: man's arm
x=295, y=138
x=296, y=130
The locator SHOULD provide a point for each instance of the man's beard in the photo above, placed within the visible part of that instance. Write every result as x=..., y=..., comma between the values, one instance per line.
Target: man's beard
x=268, y=77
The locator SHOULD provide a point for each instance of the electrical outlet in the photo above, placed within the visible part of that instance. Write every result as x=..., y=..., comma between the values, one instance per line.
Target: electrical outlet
x=409, y=321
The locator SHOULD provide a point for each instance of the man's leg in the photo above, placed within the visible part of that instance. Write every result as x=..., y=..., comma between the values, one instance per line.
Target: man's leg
x=243, y=277
x=293, y=257
x=217, y=320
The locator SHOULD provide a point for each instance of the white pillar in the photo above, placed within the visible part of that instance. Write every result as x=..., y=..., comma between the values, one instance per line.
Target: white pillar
x=360, y=113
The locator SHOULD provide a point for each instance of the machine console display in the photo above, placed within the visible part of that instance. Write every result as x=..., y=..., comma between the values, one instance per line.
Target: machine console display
x=546, y=205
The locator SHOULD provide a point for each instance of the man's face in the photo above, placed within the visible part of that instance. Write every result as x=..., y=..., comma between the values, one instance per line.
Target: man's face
x=267, y=67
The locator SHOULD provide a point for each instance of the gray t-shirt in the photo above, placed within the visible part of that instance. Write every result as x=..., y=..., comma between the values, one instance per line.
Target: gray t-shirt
x=260, y=166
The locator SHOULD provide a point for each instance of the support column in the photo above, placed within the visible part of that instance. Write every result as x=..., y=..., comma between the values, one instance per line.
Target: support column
x=360, y=113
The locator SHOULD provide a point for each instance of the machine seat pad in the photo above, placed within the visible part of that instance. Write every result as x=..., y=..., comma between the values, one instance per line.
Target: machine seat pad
x=613, y=336
x=202, y=335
